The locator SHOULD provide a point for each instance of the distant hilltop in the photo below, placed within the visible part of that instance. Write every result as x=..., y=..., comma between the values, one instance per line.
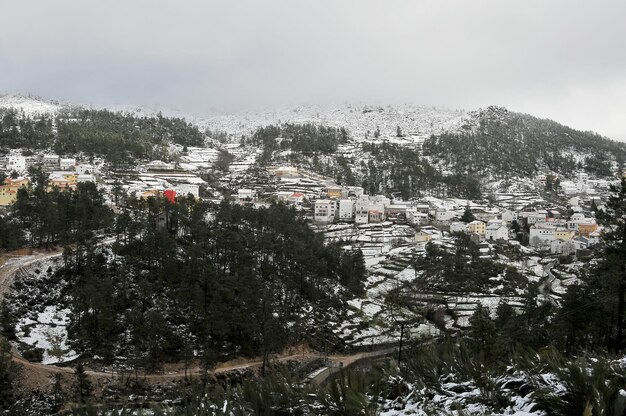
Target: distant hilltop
x=31, y=105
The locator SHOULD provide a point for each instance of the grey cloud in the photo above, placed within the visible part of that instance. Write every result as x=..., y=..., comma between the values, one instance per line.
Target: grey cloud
x=559, y=59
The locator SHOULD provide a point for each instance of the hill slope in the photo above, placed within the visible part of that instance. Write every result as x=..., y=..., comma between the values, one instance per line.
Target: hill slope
x=497, y=142
x=30, y=105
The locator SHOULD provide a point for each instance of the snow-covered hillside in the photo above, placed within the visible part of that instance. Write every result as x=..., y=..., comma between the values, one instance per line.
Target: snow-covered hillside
x=357, y=119
x=30, y=105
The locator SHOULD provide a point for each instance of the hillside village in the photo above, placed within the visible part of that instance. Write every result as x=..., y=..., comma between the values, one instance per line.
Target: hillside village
x=527, y=232
x=313, y=208
x=548, y=213
x=563, y=227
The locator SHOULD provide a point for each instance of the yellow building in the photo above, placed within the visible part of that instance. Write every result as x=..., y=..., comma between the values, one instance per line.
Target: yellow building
x=63, y=181
x=477, y=227
x=586, y=228
x=563, y=234
x=334, y=192
x=8, y=191
x=423, y=237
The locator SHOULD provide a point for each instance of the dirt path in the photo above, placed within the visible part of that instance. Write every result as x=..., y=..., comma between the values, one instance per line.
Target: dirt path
x=36, y=376
x=11, y=264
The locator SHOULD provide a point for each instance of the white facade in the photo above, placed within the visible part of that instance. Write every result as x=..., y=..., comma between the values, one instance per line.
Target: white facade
x=296, y=198
x=186, y=188
x=380, y=199
x=67, y=164
x=283, y=195
x=356, y=191
x=16, y=163
x=535, y=217
x=509, y=216
x=581, y=181
x=444, y=215
x=361, y=208
x=84, y=169
x=324, y=210
x=496, y=232
x=346, y=210
x=85, y=178
x=562, y=247
x=414, y=217
x=540, y=235
x=50, y=161
x=245, y=195
x=569, y=188
x=361, y=217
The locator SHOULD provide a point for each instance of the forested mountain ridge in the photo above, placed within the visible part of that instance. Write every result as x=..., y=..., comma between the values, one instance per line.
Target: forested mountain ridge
x=403, y=150
x=498, y=142
x=117, y=136
x=491, y=143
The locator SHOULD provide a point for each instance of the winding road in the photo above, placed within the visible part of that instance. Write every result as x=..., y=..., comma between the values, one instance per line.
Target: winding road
x=36, y=376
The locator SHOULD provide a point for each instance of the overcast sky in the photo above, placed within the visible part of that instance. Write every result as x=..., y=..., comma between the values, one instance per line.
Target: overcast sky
x=560, y=59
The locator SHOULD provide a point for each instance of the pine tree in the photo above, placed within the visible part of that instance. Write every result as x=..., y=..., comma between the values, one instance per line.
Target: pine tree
x=9, y=374
x=82, y=385
x=615, y=253
x=58, y=394
x=468, y=216
x=482, y=331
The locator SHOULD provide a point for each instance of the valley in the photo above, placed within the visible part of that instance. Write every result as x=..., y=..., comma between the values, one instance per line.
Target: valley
x=145, y=250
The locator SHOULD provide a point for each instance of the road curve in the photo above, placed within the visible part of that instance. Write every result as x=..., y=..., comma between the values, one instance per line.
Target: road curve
x=37, y=376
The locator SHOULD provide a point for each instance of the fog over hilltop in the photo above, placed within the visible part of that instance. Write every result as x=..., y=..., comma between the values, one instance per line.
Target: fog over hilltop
x=559, y=60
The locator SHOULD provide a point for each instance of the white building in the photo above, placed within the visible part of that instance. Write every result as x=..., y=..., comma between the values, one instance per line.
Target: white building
x=381, y=200
x=84, y=169
x=85, y=178
x=346, y=210
x=356, y=191
x=283, y=195
x=16, y=163
x=542, y=234
x=577, y=218
x=50, y=161
x=535, y=217
x=324, y=210
x=569, y=188
x=581, y=181
x=187, y=188
x=361, y=217
x=509, y=216
x=414, y=217
x=246, y=195
x=361, y=209
x=562, y=247
x=67, y=164
x=441, y=214
x=496, y=231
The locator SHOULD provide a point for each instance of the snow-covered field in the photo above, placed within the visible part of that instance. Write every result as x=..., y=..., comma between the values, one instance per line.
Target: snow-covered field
x=30, y=105
x=48, y=332
x=358, y=119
